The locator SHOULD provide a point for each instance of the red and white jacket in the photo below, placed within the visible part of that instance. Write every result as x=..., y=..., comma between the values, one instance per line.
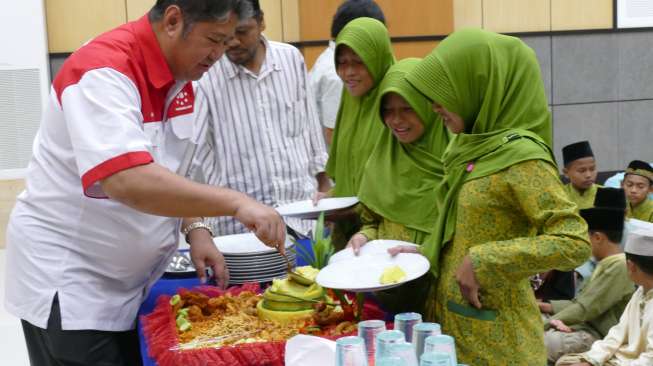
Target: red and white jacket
x=114, y=105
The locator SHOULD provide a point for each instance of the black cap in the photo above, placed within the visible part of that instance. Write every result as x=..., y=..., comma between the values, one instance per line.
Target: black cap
x=604, y=219
x=576, y=151
x=610, y=198
x=642, y=168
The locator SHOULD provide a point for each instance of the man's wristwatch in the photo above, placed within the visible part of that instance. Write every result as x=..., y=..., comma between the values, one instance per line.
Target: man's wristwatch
x=193, y=226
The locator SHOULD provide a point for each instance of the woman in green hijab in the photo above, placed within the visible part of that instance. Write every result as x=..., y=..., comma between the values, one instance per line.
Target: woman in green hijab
x=363, y=55
x=397, y=189
x=506, y=216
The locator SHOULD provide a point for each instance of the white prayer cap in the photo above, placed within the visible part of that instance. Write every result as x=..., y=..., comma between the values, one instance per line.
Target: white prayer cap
x=639, y=240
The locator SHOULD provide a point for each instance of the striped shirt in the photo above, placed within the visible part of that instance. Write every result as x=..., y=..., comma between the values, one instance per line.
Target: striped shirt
x=259, y=134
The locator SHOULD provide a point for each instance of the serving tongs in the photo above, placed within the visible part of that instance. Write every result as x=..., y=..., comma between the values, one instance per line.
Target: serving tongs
x=294, y=276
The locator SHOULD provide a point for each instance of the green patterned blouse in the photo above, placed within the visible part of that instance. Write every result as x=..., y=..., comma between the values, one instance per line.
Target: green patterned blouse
x=513, y=224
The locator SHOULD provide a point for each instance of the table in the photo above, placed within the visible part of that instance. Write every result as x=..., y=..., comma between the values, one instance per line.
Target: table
x=170, y=286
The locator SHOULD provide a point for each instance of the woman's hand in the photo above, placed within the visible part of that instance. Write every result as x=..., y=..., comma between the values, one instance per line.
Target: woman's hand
x=403, y=249
x=468, y=283
x=318, y=196
x=356, y=242
x=560, y=325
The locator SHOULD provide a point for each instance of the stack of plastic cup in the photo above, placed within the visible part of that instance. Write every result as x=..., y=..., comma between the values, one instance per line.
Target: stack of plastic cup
x=405, y=351
x=405, y=323
x=435, y=359
x=420, y=332
x=368, y=329
x=350, y=351
x=441, y=343
x=388, y=361
x=384, y=340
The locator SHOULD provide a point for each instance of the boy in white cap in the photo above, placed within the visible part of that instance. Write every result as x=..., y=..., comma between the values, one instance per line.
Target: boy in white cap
x=630, y=342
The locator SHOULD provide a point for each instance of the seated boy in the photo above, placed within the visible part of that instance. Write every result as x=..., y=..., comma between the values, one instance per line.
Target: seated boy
x=605, y=197
x=630, y=342
x=576, y=324
x=638, y=183
x=580, y=168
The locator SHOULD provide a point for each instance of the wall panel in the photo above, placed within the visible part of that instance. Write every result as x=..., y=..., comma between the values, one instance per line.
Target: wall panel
x=467, y=13
x=273, y=19
x=9, y=189
x=138, y=8
x=404, y=18
x=413, y=49
x=291, y=22
x=581, y=14
x=517, y=15
x=311, y=53
x=73, y=22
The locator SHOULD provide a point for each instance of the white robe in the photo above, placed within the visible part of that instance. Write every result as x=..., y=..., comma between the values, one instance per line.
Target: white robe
x=630, y=342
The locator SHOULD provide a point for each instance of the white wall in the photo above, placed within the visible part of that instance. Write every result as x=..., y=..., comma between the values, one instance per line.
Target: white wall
x=23, y=40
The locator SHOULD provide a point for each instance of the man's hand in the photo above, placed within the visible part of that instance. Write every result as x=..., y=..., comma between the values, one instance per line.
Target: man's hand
x=203, y=253
x=356, y=242
x=560, y=325
x=264, y=221
x=545, y=307
x=402, y=249
x=468, y=283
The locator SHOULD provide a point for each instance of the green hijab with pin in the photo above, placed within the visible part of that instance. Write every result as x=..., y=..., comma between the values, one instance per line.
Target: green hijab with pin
x=400, y=179
x=358, y=124
x=494, y=83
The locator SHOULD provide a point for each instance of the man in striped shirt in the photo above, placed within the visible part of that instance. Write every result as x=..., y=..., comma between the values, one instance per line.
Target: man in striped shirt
x=259, y=132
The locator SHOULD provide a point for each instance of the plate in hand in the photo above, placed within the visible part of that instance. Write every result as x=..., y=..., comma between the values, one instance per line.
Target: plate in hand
x=306, y=210
x=370, y=248
x=363, y=273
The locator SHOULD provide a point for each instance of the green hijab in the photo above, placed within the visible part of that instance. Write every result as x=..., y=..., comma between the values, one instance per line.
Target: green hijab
x=358, y=123
x=400, y=180
x=493, y=82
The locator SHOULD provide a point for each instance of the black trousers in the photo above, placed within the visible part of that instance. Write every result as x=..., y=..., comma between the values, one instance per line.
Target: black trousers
x=56, y=347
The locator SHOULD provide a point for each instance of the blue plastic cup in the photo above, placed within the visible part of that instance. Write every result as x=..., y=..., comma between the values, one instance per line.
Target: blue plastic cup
x=384, y=340
x=368, y=329
x=350, y=351
x=420, y=332
x=435, y=359
x=441, y=343
x=405, y=323
x=405, y=351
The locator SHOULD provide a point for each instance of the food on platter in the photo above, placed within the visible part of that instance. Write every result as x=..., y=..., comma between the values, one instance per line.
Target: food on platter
x=393, y=274
x=284, y=309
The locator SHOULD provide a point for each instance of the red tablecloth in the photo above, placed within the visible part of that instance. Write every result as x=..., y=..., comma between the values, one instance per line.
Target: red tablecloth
x=160, y=333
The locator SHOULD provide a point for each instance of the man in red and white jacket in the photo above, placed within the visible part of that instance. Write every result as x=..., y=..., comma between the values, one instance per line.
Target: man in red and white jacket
x=101, y=214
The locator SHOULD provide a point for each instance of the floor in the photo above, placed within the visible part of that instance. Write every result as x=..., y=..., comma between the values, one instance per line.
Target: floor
x=12, y=343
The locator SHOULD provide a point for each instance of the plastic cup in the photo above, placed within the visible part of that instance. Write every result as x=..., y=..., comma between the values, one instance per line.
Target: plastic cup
x=405, y=323
x=368, y=329
x=435, y=359
x=384, y=340
x=420, y=332
x=441, y=343
x=350, y=351
x=389, y=361
x=405, y=351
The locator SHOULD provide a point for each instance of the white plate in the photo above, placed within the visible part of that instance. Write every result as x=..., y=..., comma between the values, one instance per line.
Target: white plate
x=306, y=210
x=244, y=244
x=271, y=256
x=362, y=273
x=370, y=248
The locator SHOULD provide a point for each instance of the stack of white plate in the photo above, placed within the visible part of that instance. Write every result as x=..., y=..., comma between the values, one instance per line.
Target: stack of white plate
x=249, y=260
